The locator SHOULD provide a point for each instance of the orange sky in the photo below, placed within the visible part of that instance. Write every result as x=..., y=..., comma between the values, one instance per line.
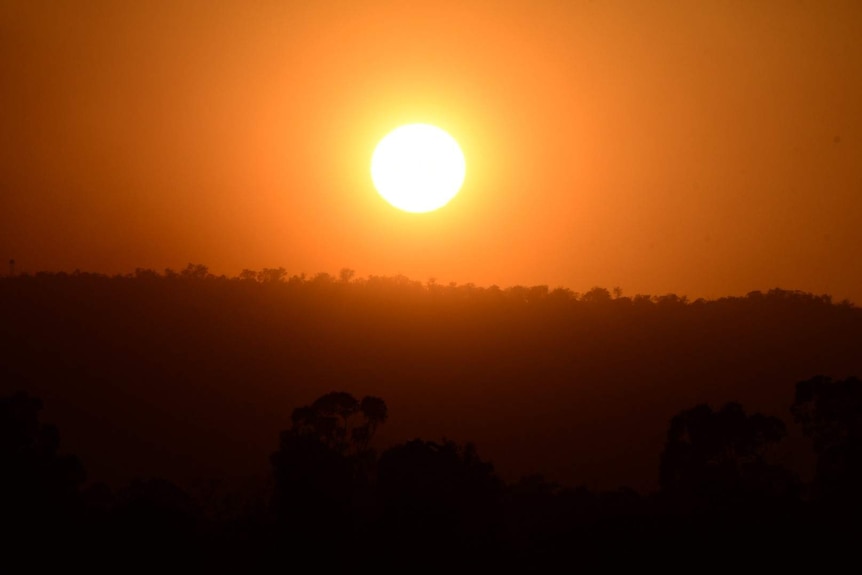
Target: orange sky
x=701, y=148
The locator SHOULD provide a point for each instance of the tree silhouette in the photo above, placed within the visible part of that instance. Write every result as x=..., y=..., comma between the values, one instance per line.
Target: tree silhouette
x=719, y=457
x=830, y=413
x=375, y=412
x=195, y=272
x=345, y=275
x=271, y=275
x=38, y=486
x=332, y=419
x=155, y=512
x=322, y=463
x=440, y=495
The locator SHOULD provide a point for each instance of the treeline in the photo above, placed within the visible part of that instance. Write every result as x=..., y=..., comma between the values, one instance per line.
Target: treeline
x=333, y=501
x=188, y=376
x=346, y=276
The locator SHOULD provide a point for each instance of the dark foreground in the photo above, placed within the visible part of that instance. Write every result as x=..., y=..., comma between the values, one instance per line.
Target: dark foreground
x=200, y=424
x=332, y=501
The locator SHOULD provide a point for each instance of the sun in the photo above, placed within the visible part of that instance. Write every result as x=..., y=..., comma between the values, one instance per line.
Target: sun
x=418, y=168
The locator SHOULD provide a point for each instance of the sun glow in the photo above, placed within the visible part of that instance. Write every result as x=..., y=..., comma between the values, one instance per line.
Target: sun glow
x=418, y=168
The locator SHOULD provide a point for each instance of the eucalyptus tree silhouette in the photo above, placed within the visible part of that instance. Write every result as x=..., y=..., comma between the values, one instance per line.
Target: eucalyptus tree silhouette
x=718, y=458
x=375, y=412
x=39, y=487
x=195, y=272
x=322, y=464
x=271, y=275
x=332, y=419
x=830, y=413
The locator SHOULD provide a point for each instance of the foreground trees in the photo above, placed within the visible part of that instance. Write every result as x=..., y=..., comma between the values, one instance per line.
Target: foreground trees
x=140, y=350
x=331, y=487
x=323, y=464
x=830, y=413
x=438, y=494
x=340, y=422
x=39, y=486
x=435, y=503
x=718, y=458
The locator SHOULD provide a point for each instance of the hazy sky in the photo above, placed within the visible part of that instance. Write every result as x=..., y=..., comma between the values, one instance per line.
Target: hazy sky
x=702, y=148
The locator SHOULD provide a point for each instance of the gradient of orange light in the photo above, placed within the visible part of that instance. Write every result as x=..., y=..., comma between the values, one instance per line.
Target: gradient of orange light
x=661, y=147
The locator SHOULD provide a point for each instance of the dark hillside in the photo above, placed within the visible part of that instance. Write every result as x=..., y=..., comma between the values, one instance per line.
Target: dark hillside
x=189, y=375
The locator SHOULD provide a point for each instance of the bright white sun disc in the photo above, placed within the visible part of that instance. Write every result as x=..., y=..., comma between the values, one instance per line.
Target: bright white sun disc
x=418, y=168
